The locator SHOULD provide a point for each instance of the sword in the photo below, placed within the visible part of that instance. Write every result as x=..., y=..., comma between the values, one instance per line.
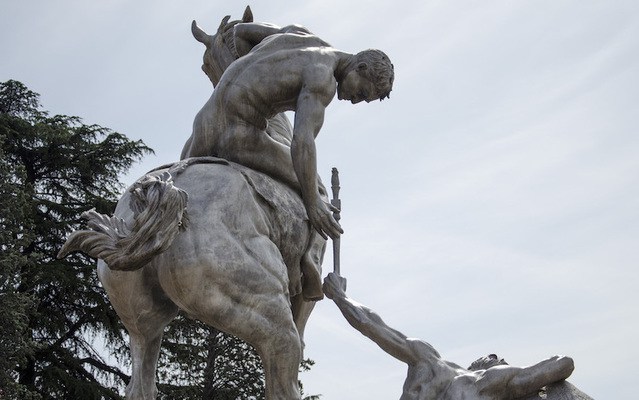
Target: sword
x=337, y=203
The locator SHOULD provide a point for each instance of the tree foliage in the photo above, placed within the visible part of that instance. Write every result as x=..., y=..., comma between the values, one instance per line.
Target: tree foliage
x=200, y=362
x=53, y=169
x=15, y=234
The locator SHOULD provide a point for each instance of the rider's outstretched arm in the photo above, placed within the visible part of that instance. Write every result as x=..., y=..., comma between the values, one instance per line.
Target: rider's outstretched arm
x=371, y=325
x=250, y=34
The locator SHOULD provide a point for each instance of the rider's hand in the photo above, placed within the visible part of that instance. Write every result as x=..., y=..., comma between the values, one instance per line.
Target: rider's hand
x=334, y=286
x=321, y=217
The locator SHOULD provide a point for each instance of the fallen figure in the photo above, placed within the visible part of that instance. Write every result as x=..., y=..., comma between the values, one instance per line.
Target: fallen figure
x=431, y=377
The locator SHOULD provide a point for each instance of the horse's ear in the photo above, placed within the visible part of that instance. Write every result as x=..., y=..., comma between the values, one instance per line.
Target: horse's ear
x=199, y=34
x=248, y=15
x=225, y=21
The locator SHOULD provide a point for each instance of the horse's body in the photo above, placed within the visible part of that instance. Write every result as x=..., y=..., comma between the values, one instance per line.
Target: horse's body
x=227, y=268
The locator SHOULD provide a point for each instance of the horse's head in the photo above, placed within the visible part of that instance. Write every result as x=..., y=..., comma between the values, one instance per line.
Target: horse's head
x=220, y=48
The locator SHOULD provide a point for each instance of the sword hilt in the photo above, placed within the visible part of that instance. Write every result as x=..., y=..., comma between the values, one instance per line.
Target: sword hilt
x=336, y=202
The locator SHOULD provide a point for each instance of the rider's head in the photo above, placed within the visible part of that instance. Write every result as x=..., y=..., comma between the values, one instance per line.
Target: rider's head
x=486, y=362
x=369, y=77
x=379, y=69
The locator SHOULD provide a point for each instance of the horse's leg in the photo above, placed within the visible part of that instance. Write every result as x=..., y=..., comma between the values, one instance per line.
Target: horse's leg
x=301, y=311
x=241, y=287
x=275, y=337
x=145, y=349
x=302, y=305
x=145, y=342
x=145, y=311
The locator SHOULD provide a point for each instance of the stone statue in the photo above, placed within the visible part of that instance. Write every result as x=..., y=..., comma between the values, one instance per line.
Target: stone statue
x=220, y=238
x=289, y=70
x=234, y=233
x=221, y=51
x=431, y=377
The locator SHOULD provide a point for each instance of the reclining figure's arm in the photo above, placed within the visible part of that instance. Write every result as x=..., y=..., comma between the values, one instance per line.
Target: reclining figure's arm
x=370, y=324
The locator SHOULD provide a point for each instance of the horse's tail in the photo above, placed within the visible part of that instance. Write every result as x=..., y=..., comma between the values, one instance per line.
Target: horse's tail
x=159, y=210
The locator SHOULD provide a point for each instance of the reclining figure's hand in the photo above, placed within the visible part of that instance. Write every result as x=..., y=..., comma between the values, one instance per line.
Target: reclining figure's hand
x=334, y=286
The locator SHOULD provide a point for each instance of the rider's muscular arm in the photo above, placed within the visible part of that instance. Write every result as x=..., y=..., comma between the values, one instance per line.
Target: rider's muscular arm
x=316, y=93
x=309, y=117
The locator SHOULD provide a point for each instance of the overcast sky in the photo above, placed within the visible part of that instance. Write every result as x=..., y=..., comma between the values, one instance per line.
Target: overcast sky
x=490, y=205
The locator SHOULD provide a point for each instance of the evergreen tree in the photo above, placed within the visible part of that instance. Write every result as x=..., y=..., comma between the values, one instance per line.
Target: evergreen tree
x=53, y=169
x=15, y=233
x=201, y=362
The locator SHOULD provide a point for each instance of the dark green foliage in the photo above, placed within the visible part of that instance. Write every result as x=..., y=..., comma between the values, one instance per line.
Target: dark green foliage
x=306, y=366
x=15, y=234
x=200, y=362
x=53, y=169
x=18, y=101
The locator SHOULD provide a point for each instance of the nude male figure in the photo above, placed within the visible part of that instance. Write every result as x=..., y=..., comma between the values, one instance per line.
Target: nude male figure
x=431, y=377
x=289, y=71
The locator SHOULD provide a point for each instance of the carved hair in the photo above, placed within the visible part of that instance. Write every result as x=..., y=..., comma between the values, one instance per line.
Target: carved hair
x=380, y=70
x=486, y=362
x=159, y=215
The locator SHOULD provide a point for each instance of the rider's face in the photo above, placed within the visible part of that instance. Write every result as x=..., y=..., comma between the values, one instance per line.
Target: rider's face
x=357, y=87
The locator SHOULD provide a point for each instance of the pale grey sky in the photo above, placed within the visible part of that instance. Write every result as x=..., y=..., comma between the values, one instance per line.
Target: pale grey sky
x=490, y=205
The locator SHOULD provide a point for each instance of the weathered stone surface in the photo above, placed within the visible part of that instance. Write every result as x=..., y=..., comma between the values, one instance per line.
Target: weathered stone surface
x=243, y=253
x=560, y=391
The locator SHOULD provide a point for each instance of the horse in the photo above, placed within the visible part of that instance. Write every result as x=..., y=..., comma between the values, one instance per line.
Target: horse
x=230, y=246
x=217, y=240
